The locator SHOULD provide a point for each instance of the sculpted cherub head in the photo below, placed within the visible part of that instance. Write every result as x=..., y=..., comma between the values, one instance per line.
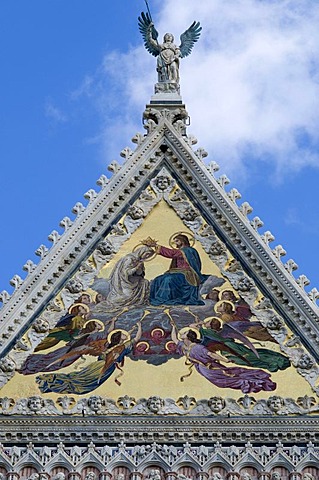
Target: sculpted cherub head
x=216, y=404
x=7, y=365
x=40, y=326
x=155, y=404
x=162, y=182
x=95, y=403
x=135, y=212
x=305, y=362
x=275, y=403
x=35, y=404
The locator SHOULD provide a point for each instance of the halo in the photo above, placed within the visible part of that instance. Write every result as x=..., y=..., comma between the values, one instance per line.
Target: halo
x=187, y=329
x=167, y=343
x=228, y=289
x=96, y=321
x=128, y=336
x=87, y=294
x=77, y=305
x=158, y=328
x=139, y=245
x=143, y=343
x=95, y=296
x=224, y=301
x=190, y=237
x=209, y=319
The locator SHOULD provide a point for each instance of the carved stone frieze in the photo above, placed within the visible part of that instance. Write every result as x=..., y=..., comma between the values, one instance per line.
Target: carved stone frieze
x=157, y=461
x=167, y=87
x=173, y=115
x=155, y=405
x=7, y=369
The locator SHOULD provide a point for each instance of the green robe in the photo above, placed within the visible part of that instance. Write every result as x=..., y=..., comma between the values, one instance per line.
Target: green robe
x=242, y=355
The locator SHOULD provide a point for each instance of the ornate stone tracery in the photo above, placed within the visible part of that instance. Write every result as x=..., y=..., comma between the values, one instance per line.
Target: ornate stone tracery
x=159, y=462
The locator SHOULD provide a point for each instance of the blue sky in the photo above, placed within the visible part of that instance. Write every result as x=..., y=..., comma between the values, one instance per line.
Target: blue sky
x=72, y=96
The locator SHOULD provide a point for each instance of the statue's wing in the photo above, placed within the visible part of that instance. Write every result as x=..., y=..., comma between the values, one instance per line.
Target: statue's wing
x=147, y=29
x=188, y=38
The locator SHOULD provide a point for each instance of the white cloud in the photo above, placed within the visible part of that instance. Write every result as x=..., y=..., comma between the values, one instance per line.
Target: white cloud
x=256, y=73
x=84, y=88
x=119, y=92
x=292, y=217
x=54, y=113
x=251, y=84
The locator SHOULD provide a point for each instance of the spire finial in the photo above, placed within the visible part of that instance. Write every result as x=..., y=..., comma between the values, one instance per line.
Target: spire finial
x=167, y=53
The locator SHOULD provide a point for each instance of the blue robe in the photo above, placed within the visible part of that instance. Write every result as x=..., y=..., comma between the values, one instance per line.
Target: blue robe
x=86, y=380
x=175, y=287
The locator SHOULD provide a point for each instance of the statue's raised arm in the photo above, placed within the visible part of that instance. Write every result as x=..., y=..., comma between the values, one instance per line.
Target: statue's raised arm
x=149, y=34
x=167, y=53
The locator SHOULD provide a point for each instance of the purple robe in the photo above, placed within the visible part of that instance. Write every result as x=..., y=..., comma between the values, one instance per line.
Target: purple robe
x=47, y=362
x=245, y=379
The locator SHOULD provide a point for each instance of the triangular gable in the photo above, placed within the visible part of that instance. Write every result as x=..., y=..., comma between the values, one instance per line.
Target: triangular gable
x=165, y=170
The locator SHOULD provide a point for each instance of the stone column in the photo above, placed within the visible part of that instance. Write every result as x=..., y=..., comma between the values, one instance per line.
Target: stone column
x=295, y=476
x=44, y=476
x=232, y=476
x=263, y=476
x=202, y=476
x=13, y=476
x=170, y=476
x=105, y=476
x=136, y=476
x=74, y=476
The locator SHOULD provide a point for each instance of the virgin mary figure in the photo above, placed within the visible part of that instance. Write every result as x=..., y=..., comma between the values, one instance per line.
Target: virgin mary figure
x=127, y=282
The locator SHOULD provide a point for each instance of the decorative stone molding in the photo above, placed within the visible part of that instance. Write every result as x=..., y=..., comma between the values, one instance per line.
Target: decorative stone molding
x=161, y=460
x=164, y=428
x=214, y=406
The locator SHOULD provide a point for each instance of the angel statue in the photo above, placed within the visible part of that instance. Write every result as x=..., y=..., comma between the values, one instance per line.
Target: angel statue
x=167, y=53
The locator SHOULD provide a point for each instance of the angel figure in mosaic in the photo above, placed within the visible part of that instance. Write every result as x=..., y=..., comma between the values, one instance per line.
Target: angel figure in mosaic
x=234, y=345
x=119, y=345
x=167, y=53
x=91, y=340
x=240, y=317
x=211, y=365
x=67, y=327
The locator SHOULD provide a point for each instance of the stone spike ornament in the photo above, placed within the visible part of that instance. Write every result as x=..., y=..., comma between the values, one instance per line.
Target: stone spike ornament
x=167, y=53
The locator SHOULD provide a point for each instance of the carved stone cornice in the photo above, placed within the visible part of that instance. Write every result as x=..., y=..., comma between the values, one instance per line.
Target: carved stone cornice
x=148, y=429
